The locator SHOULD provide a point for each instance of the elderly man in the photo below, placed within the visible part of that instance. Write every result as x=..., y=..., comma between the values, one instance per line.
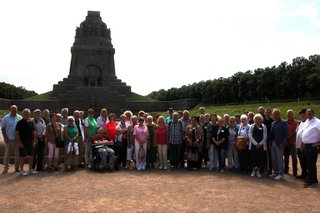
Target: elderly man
x=300, y=152
x=175, y=133
x=24, y=136
x=39, y=128
x=278, y=137
x=185, y=121
x=290, y=149
x=311, y=141
x=8, y=128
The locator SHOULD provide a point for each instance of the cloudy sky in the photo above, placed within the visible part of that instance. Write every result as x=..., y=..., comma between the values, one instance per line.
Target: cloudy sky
x=159, y=44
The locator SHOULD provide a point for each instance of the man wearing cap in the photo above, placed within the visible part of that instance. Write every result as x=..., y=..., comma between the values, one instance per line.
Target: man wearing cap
x=169, y=118
x=300, y=153
x=8, y=128
x=311, y=143
x=39, y=128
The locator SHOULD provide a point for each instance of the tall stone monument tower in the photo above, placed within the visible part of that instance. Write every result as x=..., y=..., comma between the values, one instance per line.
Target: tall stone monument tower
x=92, y=81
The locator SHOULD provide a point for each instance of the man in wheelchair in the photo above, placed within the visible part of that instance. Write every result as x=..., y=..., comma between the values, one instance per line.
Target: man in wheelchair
x=103, y=157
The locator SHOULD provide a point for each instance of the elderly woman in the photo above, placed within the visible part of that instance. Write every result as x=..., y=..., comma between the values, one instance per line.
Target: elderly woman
x=258, y=136
x=130, y=140
x=161, y=138
x=90, y=131
x=233, y=160
x=243, y=144
x=111, y=126
x=141, y=138
x=128, y=115
x=121, y=141
x=213, y=126
x=194, y=137
x=103, y=118
x=151, y=146
x=220, y=138
x=71, y=135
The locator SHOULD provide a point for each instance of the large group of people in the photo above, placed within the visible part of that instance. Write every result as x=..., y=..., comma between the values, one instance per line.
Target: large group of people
x=252, y=143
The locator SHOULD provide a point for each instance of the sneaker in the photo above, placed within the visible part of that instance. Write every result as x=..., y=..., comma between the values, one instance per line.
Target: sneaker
x=259, y=174
x=23, y=173
x=139, y=168
x=161, y=167
x=33, y=172
x=273, y=175
x=210, y=169
x=5, y=170
x=253, y=174
x=165, y=167
x=278, y=177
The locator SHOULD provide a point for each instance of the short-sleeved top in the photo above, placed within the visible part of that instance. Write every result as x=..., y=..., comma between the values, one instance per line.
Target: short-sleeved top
x=101, y=121
x=293, y=125
x=25, y=129
x=168, y=119
x=112, y=129
x=9, y=123
x=161, y=135
x=91, y=125
x=244, y=131
x=141, y=132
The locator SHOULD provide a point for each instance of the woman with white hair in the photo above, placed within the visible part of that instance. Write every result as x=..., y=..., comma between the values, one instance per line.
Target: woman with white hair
x=243, y=144
x=258, y=135
x=71, y=139
x=161, y=133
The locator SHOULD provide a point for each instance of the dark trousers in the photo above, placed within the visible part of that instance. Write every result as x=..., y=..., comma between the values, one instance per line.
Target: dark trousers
x=311, y=154
x=151, y=155
x=175, y=150
x=258, y=157
x=244, y=159
x=270, y=167
x=182, y=154
x=222, y=158
x=303, y=162
x=121, y=152
x=204, y=155
x=290, y=150
x=38, y=155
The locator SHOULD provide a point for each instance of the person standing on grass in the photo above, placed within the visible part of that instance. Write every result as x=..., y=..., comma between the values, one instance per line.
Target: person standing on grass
x=290, y=148
x=279, y=137
x=311, y=143
x=258, y=136
x=268, y=121
x=175, y=134
x=161, y=140
x=220, y=138
x=243, y=137
x=301, y=154
x=233, y=160
x=24, y=136
x=8, y=128
x=39, y=127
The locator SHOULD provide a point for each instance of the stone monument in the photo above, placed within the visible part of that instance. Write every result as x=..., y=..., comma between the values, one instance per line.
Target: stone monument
x=92, y=81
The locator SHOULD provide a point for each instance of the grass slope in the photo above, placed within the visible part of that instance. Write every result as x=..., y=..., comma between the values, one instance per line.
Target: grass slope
x=43, y=96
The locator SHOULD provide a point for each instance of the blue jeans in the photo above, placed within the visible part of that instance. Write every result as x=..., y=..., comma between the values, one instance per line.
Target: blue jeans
x=277, y=159
x=222, y=158
x=290, y=149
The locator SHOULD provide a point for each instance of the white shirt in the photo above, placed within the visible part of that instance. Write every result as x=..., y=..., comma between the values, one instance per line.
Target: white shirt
x=264, y=140
x=101, y=121
x=311, y=134
x=120, y=128
x=300, y=130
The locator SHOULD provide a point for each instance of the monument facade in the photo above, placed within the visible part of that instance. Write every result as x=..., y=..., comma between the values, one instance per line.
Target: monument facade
x=92, y=81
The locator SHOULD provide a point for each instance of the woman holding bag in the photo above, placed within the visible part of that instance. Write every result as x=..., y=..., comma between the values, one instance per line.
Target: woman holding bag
x=141, y=137
x=71, y=138
x=53, y=133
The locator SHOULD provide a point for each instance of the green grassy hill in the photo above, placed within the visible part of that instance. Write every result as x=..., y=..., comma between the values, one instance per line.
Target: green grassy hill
x=43, y=96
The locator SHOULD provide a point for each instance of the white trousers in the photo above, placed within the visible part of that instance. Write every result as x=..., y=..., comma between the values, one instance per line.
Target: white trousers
x=75, y=147
x=163, y=154
x=213, y=157
x=140, y=165
x=233, y=156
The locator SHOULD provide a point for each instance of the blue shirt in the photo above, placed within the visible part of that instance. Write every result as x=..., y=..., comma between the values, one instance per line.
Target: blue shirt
x=9, y=123
x=279, y=131
x=175, y=131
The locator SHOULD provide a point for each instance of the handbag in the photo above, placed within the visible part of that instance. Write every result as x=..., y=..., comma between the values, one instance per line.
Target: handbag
x=59, y=142
x=241, y=144
x=141, y=154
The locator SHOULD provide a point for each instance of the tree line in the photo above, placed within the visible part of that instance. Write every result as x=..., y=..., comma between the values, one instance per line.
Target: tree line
x=9, y=91
x=300, y=79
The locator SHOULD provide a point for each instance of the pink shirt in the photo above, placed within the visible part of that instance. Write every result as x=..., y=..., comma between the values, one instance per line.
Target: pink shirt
x=141, y=132
x=161, y=135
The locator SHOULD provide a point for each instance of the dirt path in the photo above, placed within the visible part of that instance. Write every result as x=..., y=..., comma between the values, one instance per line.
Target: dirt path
x=154, y=191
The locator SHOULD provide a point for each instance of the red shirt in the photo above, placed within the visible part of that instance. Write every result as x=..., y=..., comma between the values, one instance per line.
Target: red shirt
x=293, y=124
x=99, y=137
x=112, y=129
x=161, y=135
